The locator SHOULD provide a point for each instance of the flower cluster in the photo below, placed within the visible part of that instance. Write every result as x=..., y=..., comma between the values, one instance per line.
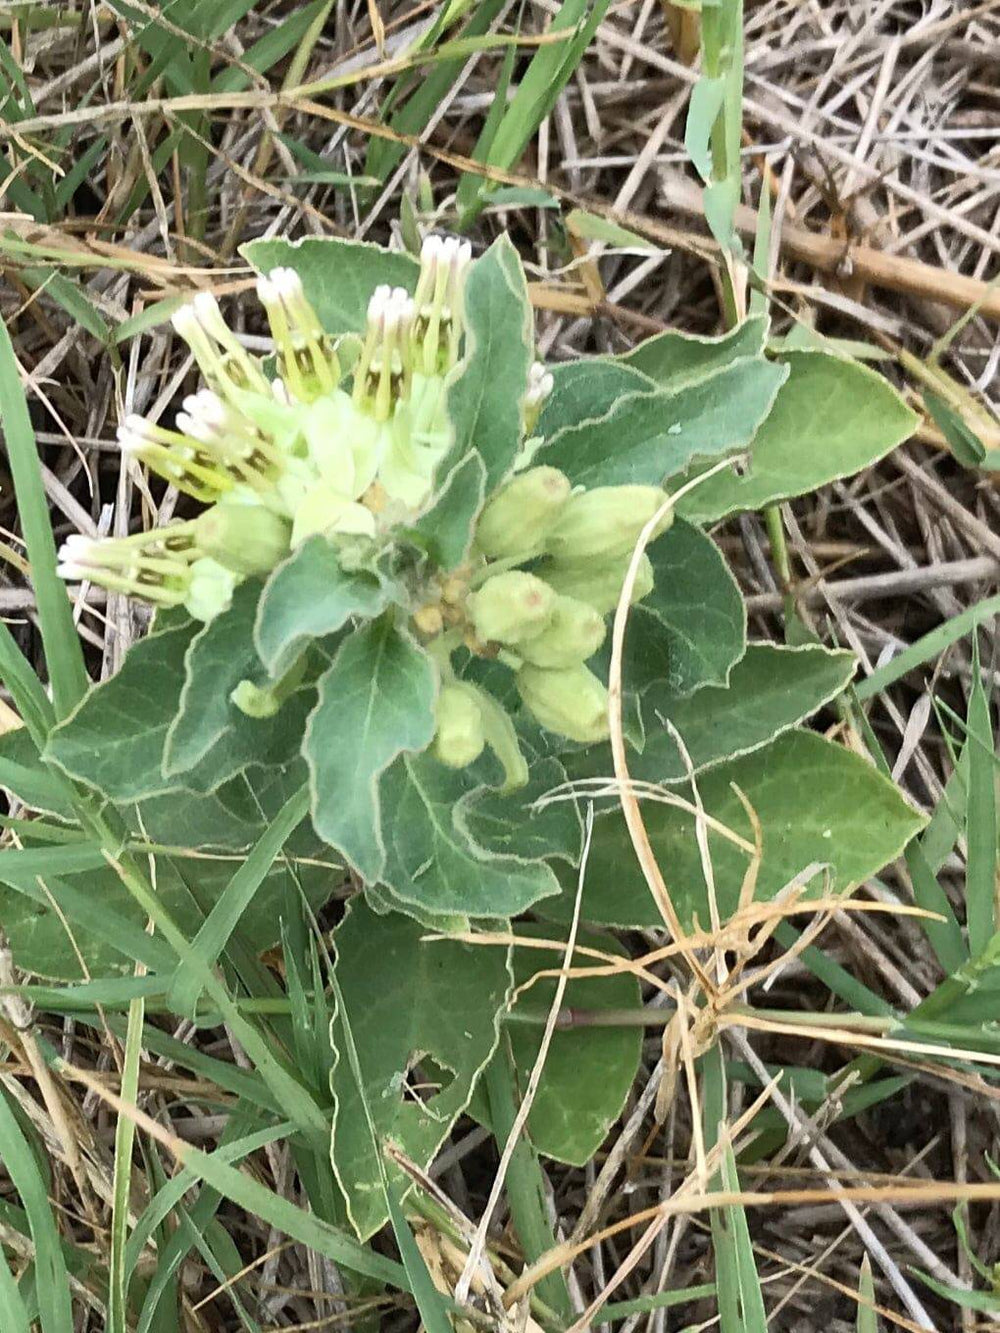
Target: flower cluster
x=548, y=566
x=344, y=441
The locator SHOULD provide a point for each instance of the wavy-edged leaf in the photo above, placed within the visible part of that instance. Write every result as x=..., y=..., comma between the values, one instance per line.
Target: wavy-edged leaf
x=672, y=359
x=339, y=276
x=771, y=689
x=691, y=629
x=832, y=417
x=114, y=738
x=573, y=1110
x=817, y=802
x=424, y=1016
x=446, y=529
x=310, y=596
x=436, y=864
x=484, y=402
x=647, y=438
x=376, y=700
x=211, y=740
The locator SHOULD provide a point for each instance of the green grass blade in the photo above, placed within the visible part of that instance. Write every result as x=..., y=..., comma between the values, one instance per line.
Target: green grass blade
x=741, y=1304
x=118, y=1272
x=63, y=654
x=928, y=646
x=235, y=898
x=525, y=1184
x=867, y=1318
x=51, y=1277
x=13, y=1315
x=981, y=819
x=26, y=689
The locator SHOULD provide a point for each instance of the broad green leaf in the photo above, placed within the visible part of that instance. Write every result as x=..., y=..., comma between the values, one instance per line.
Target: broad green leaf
x=771, y=689
x=573, y=1110
x=831, y=418
x=109, y=929
x=338, y=276
x=436, y=864
x=424, y=1018
x=817, y=803
x=309, y=597
x=674, y=358
x=512, y=823
x=376, y=701
x=691, y=629
x=446, y=529
x=649, y=437
x=484, y=402
x=114, y=739
x=211, y=740
x=585, y=391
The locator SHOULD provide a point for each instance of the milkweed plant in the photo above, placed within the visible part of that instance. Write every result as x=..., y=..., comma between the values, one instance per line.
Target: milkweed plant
x=379, y=657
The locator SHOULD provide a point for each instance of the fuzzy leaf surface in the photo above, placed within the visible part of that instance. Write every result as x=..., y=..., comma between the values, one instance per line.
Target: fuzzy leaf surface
x=376, y=700
x=424, y=1018
x=817, y=802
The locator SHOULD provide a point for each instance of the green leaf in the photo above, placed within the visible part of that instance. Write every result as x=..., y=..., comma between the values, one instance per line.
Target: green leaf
x=233, y=903
x=376, y=701
x=51, y=1278
x=593, y=227
x=674, y=358
x=309, y=597
x=573, y=1110
x=446, y=529
x=114, y=739
x=771, y=689
x=512, y=823
x=691, y=629
x=63, y=654
x=435, y=863
x=424, y=1018
x=23, y=774
x=966, y=445
x=338, y=276
x=706, y=101
x=981, y=818
x=647, y=437
x=484, y=403
x=211, y=740
x=831, y=418
x=585, y=391
x=985, y=1302
x=817, y=802
x=867, y=1321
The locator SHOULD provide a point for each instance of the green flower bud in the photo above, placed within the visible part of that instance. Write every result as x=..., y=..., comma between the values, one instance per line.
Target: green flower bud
x=603, y=524
x=511, y=607
x=210, y=589
x=572, y=702
x=574, y=633
x=600, y=586
x=519, y=517
x=244, y=538
x=460, y=738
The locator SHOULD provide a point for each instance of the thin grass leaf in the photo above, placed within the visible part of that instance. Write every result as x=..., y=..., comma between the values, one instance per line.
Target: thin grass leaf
x=63, y=654
x=52, y=1279
x=234, y=900
x=928, y=646
x=981, y=818
x=867, y=1318
x=13, y=1315
x=25, y=688
x=525, y=1182
x=118, y=1273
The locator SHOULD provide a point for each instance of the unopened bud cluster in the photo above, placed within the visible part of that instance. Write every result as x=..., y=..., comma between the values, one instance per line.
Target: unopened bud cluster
x=549, y=566
x=335, y=444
